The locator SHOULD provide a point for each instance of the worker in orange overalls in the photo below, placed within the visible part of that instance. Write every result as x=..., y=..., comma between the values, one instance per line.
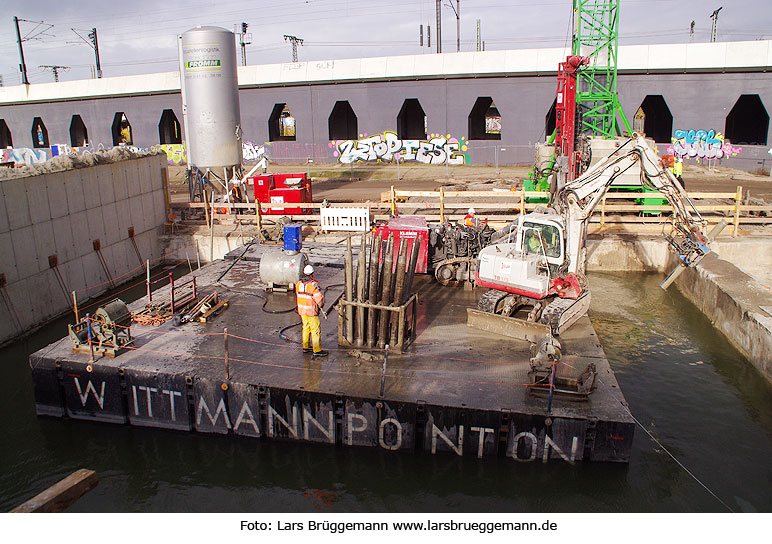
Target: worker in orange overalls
x=310, y=299
x=469, y=218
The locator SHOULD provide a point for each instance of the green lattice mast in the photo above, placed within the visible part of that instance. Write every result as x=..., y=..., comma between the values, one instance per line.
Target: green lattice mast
x=595, y=35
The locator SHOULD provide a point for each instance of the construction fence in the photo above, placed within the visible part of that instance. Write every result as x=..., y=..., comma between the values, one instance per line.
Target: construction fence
x=618, y=211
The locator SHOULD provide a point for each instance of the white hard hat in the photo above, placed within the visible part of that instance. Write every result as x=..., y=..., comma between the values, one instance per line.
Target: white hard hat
x=308, y=270
x=471, y=211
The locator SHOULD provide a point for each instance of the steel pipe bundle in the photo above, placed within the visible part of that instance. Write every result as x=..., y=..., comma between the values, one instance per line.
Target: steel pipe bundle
x=379, y=283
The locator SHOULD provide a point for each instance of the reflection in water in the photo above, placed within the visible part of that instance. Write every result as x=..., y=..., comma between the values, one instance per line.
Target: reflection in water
x=683, y=381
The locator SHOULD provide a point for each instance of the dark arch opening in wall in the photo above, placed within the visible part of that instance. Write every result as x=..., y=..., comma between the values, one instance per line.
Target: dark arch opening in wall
x=6, y=140
x=39, y=133
x=169, y=131
x=411, y=121
x=121, y=129
x=484, y=120
x=281, y=124
x=657, y=120
x=748, y=122
x=78, y=132
x=342, y=122
x=550, y=120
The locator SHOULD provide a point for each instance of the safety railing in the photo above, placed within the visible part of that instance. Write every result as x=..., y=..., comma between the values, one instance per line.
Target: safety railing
x=618, y=210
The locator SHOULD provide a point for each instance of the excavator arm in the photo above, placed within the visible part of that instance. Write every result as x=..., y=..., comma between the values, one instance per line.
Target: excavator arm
x=578, y=198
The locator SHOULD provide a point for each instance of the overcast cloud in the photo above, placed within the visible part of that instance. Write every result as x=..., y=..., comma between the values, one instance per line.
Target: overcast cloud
x=140, y=36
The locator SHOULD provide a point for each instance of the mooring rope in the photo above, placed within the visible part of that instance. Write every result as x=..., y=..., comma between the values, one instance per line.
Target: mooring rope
x=673, y=457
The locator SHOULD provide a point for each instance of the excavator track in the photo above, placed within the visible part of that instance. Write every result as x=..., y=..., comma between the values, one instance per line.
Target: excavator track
x=558, y=313
x=561, y=313
x=490, y=300
x=441, y=269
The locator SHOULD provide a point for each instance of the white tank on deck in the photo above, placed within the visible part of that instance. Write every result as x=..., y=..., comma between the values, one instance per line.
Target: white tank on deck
x=279, y=268
x=210, y=95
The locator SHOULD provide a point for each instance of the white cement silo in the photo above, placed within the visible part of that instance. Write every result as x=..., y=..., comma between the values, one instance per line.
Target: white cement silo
x=210, y=96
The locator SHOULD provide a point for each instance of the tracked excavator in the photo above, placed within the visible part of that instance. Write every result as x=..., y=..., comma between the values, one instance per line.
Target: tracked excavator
x=536, y=276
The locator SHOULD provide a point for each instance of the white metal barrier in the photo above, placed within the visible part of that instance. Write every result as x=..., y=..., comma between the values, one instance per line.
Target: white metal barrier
x=351, y=219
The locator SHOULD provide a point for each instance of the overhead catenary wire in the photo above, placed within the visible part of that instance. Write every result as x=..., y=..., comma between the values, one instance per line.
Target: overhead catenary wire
x=121, y=30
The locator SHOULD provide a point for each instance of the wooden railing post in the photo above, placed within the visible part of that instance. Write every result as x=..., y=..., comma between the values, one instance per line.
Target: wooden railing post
x=603, y=212
x=522, y=200
x=738, y=202
x=442, y=205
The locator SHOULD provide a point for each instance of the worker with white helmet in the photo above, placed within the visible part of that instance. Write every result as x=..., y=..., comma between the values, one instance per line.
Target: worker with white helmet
x=469, y=218
x=309, y=300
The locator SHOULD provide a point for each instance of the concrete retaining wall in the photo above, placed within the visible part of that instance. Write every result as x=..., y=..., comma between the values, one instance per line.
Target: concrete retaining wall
x=732, y=287
x=62, y=213
x=625, y=253
x=734, y=302
x=620, y=253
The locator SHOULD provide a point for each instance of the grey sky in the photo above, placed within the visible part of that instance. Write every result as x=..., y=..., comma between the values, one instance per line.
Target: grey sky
x=140, y=36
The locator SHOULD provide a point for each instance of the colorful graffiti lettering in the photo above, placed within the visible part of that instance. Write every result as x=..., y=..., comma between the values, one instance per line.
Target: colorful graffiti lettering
x=175, y=153
x=386, y=147
x=701, y=144
x=25, y=155
x=252, y=153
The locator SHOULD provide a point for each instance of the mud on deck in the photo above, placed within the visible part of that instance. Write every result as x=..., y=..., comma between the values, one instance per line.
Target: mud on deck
x=455, y=390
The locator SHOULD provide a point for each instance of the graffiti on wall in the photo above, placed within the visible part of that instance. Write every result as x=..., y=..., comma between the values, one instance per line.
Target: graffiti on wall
x=253, y=153
x=701, y=144
x=176, y=154
x=386, y=147
x=25, y=155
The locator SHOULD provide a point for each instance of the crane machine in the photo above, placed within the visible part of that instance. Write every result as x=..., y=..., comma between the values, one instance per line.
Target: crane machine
x=538, y=268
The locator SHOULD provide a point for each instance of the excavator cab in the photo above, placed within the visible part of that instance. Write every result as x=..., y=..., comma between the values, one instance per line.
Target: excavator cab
x=527, y=265
x=542, y=235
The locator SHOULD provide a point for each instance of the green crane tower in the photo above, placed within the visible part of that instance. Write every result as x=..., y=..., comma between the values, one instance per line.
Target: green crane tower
x=599, y=113
x=595, y=35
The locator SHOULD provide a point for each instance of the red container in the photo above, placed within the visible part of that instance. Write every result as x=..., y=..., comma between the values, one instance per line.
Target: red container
x=259, y=186
x=289, y=196
x=280, y=188
x=294, y=181
x=410, y=228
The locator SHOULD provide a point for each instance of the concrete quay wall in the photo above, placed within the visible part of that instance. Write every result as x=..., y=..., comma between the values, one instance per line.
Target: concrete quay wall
x=732, y=287
x=737, y=305
x=620, y=253
x=56, y=217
